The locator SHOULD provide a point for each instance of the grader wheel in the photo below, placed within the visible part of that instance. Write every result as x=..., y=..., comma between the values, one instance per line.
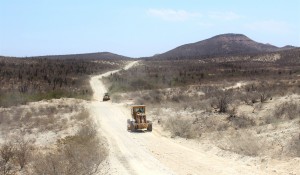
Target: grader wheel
x=128, y=124
x=132, y=129
x=149, y=128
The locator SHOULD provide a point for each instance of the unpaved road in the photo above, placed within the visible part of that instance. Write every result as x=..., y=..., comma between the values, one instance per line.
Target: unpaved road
x=150, y=152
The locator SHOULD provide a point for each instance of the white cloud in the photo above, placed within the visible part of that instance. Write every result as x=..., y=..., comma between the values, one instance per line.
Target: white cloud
x=172, y=15
x=224, y=16
x=271, y=26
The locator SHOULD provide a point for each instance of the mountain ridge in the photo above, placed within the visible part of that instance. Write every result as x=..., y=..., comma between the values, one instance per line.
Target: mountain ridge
x=223, y=44
x=95, y=55
x=219, y=45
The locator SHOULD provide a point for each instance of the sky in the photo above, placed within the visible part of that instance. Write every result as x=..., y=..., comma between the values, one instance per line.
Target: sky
x=138, y=28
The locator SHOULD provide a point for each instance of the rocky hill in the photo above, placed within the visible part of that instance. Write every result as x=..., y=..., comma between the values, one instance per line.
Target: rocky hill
x=225, y=44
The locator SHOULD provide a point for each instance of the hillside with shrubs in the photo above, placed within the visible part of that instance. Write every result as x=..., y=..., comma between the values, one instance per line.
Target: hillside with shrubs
x=45, y=123
x=32, y=79
x=244, y=103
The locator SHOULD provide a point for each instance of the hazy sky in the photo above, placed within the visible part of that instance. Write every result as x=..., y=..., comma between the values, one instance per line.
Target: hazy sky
x=139, y=27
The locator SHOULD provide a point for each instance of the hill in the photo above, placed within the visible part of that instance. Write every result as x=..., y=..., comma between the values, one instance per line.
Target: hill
x=92, y=56
x=225, y=44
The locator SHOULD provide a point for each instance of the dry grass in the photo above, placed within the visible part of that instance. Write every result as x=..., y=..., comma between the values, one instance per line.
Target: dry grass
x=202, y=117
x=287, y=110
x=241, y=142
x=42, y=117
x=63, y=151
x=179, y=126
x=15, y=154
x=81, y=153
x=294, y=147
x=81, y=116
x=241, y=121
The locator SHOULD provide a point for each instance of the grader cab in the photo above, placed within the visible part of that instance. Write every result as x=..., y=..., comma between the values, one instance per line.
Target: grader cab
x=139, y=120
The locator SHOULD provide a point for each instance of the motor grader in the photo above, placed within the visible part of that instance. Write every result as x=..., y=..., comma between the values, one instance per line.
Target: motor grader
x=106, y=97
x=139, y=120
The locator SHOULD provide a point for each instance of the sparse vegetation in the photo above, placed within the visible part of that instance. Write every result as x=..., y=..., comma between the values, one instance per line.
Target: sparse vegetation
x=15, y=155
x=81, y=153
x=180, y=126
x=294, y=146
x=161, y=73
x=287, y=110
x=33, y=79
x=192, y=97
x=224, y=99
x=241, y=121
x=65, y=152
x=44, y=117
x=242, y=142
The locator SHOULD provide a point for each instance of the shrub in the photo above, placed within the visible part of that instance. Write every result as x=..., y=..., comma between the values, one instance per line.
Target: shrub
x=14, y=153
x=81, y=153
x=242, y=142
x=7, y=152
x=290, y=110
x=223, y=100
x=83, y=115
x=116, y=98
x=241, y=121
x=22, y=151
x=295, y=146
x=250, y=97
x=179, y=126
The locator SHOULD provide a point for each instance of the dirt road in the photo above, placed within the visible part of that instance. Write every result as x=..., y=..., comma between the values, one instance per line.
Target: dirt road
x=150, y=152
